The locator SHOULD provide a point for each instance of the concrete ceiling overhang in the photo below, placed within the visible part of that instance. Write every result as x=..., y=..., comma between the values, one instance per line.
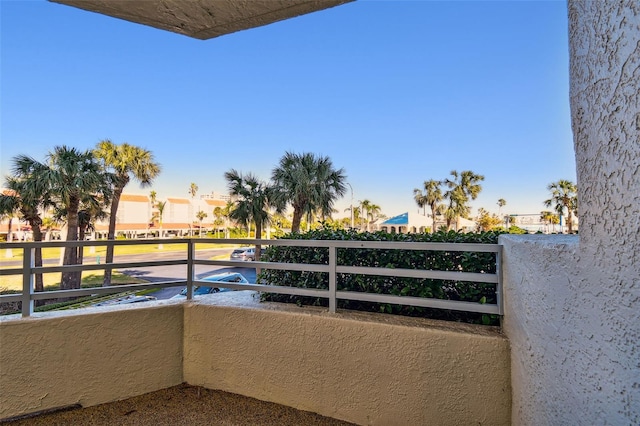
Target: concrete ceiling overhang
x=203, y=19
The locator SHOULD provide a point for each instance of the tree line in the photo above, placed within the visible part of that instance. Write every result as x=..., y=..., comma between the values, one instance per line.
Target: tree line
x=78, y=186
x=449, y=198
x=459, y=190
x=306, y=182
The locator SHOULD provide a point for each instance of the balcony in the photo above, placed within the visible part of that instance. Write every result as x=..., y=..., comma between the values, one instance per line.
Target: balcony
x=353, y=366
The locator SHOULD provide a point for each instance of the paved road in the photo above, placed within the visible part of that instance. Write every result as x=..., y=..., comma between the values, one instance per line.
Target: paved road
x=179, y=272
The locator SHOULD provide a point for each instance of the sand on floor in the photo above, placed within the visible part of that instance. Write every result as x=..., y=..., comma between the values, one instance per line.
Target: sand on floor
x=183, y=405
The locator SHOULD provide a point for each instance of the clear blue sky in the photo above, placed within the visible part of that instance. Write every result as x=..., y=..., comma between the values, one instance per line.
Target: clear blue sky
x=395, y=92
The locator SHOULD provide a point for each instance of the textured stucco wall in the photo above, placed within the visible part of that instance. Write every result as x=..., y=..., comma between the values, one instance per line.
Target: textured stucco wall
x=605, y=112
x=538, y=296
x=368, y=369
x=572, y=305
x=65, y=358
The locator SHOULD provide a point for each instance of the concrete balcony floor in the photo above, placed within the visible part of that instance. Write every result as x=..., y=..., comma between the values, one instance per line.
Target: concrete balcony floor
x=184, y=405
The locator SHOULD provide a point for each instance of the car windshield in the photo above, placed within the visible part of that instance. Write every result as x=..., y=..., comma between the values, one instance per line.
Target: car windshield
x=200, y=290
x=218, y=278
x=238, y=251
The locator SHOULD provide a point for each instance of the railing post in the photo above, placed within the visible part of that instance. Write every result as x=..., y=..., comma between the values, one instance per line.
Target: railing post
x=499, y=285
x=190, y=254
x=332, y=278
x=28, y=262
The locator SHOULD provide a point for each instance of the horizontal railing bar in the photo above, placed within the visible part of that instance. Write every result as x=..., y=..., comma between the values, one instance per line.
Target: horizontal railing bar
x=394, y=245
x=10, y=297
x=90, y=243
x=419, y=301
x=419, y=273
x=57, y=294
x=71, y=268
x=294, y=291
x=13, y=271
x=266, y=265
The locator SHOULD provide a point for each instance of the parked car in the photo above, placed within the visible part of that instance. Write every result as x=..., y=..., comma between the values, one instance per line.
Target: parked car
x=245, y=254
x=228, y=277
x=125, y=300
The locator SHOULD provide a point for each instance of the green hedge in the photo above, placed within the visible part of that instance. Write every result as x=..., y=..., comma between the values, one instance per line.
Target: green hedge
x=404, y=259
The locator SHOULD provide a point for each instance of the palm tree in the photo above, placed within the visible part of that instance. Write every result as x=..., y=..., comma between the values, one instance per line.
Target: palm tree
x=463, y=187
x=75, y=176
x=193, y=189
x=563, y=196
x=309, y=183
x=9, y=214
x=501, y=203
x=354, y=216
x=432, y=196
x=226, y=213
x=201, y=215
x=160, y=206
x=549, y=218
x=218, y=218
x=27, y=194
x=126, y=161
x=252, y=201
x=370, y=212
x=91, y=209
x=364, y=204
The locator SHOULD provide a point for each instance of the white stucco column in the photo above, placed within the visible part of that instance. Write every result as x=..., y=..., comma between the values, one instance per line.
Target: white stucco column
x=572, y=303
x=604, y=39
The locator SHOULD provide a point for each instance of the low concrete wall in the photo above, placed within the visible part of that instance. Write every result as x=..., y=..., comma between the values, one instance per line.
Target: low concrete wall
x=57, y=359
x=364, y=368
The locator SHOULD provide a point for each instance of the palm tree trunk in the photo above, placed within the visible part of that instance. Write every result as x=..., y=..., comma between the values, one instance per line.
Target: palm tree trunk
x=111, y=235
x=9, y=252
x=297, y=218
x=258, y=246
x=37, y=236
x=81, y=236
x=570, y=221
x=70, y=280
x=433, y=221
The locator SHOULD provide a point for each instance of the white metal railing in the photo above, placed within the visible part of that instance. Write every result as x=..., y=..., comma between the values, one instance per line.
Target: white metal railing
x=188, y=258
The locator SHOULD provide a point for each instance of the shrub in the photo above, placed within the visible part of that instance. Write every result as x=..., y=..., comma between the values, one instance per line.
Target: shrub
x=404, y=259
